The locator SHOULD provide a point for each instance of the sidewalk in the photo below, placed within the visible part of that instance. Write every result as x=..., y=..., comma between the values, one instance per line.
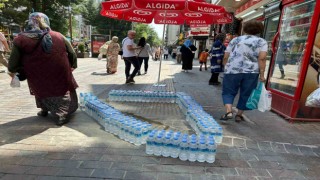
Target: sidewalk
x=264, y=147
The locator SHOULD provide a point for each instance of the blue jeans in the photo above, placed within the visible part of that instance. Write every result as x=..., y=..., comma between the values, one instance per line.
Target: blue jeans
x=135, y=62
x=246, y=82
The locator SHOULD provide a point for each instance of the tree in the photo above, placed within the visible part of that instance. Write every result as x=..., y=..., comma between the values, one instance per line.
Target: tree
x=144, y=30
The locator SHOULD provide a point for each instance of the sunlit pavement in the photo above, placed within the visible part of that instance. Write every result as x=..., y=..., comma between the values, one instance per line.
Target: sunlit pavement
x=265, y=146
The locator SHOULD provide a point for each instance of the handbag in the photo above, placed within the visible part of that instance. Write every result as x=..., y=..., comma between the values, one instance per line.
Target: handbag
x=120, y=52
x=254, y=98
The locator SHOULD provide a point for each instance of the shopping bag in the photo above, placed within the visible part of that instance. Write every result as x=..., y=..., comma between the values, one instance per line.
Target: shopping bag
x=313, y=100
x=100, y=56
x=254, y=98
x=15, y=82
x=265, y=99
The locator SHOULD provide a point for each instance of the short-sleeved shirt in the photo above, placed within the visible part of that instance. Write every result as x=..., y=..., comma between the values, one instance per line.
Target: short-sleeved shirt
x=2, y=38
x=244, y=52
x=126, y=52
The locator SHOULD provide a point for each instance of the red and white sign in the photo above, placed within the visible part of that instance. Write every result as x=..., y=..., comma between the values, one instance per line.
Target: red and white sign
x=117, y=5
x=247, y=5
x=205, y=7
x=171, y=5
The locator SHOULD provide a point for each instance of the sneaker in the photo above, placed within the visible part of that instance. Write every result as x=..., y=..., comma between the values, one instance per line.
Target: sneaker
x=145, y=72
x=200, y=69
x=42, y=113
x=138, y=73
x=131, y=81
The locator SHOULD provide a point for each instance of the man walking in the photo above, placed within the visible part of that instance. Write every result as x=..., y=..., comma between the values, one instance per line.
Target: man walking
x=4, y=47
x=129, y=56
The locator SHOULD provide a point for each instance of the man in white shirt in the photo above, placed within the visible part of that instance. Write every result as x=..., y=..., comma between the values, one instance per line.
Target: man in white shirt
x=129, y=56
x=4, y=47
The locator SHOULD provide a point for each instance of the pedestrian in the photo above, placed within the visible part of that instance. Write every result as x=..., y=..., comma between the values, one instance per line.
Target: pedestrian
x=203, y=59
x=174, y=52
x=187, y=54
x=216, y=53
x=245, y=63
x=129, y=56
x=112, y=55
x=157, y=53
x=4, y=47
x=46, y=59
x=179, y=55
x=165, y=53
x=143, y=54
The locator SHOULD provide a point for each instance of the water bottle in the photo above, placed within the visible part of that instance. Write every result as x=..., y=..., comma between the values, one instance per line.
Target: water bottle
x=158, y=144
x=166, y=145
x=210, y=158
x=202, y=150
x=184, y=147
x=150, y=146
x=192, y=155
x=175, y=146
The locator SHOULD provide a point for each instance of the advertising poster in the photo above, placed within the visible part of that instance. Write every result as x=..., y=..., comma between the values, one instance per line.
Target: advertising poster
x=97, y=40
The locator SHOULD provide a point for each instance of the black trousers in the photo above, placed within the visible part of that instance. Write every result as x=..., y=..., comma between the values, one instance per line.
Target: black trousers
x=146, y=61
x=214, y=77
x=135, y=62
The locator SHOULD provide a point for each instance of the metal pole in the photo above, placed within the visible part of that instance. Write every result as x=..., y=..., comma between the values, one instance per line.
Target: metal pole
x=164, y=28
x=70, y=23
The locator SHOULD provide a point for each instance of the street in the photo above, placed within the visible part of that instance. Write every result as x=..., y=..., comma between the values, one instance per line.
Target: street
x=265, y=146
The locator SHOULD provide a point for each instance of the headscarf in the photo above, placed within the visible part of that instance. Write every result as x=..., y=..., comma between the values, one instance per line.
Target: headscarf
x=39, y=28
x=115, y=39
x=188, y=42
x=221, y=37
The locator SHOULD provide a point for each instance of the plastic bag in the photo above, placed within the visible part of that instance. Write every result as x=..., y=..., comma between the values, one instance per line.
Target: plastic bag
x=313, y=100
x=100, y=56
x=15, y=82
x=265, y=100
x=254, y=98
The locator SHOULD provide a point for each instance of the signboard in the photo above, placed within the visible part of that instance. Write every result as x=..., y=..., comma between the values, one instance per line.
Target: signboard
x=200, y=31
x=247, y=5
x=97, y=40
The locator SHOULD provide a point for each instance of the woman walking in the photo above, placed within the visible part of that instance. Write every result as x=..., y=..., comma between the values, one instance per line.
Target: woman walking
x=143, y=54
x=112, y=55
x=47, y=59
x=216, y=53
x=245, y=63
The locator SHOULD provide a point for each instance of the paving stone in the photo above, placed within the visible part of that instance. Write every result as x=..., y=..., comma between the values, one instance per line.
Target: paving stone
x=239, y=142
x=61, y=156
x=13, y=169
x=265, y=165
x=252, y=172
x=293, y=149
x=75, y=172
x=65, y=163
x=141, y=176
x=252, y=144
x=44, y=171
x=183, y=169
x=278, y=147
x=310, y=174
x=172, y=176
x=116, y=158
x=131, y=167
x=168, y=160
x=279, y=174
x=233, y=163
x=35, y=162
x=239, y=178
x=86, y=157
x=227, y=141
x=317, y=151
x=18, y=176
x=107, y=173
x=294, y=166
x=96, y=164
x=222, y=171
x=265, y=146
x=64, y=178
x=206, y=176
x=152, y=168
x=146, y=160
x=307, y=151
x=277, y=158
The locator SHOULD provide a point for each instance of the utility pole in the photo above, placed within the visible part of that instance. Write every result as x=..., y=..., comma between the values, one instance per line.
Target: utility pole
x=70, y=24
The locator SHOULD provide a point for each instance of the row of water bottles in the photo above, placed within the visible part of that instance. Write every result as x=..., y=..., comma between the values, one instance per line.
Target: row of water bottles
x=127, y=128
x=183, y=146
x=203, y=123
x=142, y=96
x=187, y=103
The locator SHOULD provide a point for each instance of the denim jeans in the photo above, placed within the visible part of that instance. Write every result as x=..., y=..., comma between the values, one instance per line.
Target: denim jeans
x=246, y=82
x=135, y=62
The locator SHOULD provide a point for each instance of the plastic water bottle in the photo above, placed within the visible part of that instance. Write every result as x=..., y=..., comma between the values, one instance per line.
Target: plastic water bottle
x=210, y=158
x=158, y=145
x=150, y=143
x=202, y=150
x=184, y=147
x=192, y=155
x=166, y=148
x=175, y=146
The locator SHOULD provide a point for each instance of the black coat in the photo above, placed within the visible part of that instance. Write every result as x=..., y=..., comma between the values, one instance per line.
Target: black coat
x=187, y=56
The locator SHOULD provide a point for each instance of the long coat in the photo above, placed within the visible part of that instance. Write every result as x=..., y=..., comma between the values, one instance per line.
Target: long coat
x=217, y=52
x=187, y=56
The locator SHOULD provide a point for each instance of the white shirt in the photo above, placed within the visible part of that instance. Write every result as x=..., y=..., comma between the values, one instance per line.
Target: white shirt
x=126, y=52
x=2, y=38
x=244, y=52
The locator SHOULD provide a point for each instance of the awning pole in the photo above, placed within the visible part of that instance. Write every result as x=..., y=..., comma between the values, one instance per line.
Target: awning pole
x=164, y=29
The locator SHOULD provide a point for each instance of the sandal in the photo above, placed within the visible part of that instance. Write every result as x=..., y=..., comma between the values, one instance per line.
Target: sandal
x=226, y=116
x=238, y=118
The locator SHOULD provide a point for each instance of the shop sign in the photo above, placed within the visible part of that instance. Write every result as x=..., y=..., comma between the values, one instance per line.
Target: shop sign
x=247, y=5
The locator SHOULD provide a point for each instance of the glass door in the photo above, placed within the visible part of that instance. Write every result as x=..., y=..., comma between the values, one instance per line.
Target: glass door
x=294, y=30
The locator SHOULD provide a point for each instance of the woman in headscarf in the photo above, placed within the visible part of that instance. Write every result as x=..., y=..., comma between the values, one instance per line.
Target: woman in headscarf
x=216, y=53
x=187, y=54
x=46, y=59
x=112, y=55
